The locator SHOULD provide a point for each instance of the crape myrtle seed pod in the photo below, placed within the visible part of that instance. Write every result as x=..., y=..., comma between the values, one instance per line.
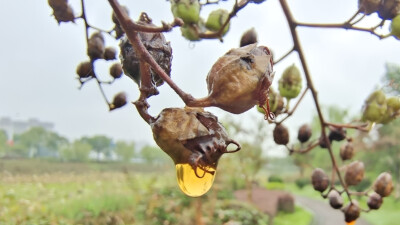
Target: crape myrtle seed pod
x=116, y=70
x=319, y=180
x=118, y=101
x=64, y=15
x=388, y=9
x=190, y=32
x=351, y=211
x=114, y=17
x=110, y=53
x=369, y=6
x=85, y=69
x=335, y=199
x=281, y=135
x=216, y=19
x=395, y=27
x=95, y=49
x=248, y=37
x=158, y=48
x=187, y=10
x=195, y=141
x=392, y=110
x=374, y=201
x=290, y=83
x=304, y=133
x=337, y=134
x=323, y=143
x=383, y=184
x=58, y=4
x=240, y=79
x=347, y=151
x=276, y=103
x=375, y=106
x=354, y=173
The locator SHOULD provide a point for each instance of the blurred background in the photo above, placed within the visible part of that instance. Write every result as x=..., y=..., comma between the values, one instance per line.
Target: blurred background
x=65, y=159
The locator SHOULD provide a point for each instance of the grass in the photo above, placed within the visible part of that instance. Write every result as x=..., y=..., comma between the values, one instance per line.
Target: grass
x=300, y=216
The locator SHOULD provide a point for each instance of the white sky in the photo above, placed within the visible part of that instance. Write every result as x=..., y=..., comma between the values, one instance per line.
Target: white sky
x=38, y=59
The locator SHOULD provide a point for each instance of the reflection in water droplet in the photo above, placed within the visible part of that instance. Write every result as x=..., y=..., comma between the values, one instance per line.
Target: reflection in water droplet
x=192, y=185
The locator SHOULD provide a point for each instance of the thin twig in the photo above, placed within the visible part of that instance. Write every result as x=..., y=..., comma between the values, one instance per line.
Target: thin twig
x=295, y=106
x=284, y=56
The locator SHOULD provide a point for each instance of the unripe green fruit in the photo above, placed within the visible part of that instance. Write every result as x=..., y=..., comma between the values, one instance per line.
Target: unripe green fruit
x=187, y=10
x=189, y=32
x=395, y=27
x=375, y=107
x=216, y=20
x=290, y=83
x=394, y=103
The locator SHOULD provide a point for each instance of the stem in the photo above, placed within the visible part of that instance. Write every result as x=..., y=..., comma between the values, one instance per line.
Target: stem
x=295, y=106
x=284, y=56
x=297, y=47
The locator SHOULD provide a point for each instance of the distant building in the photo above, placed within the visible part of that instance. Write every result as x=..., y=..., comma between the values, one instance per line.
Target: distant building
x=16, y=127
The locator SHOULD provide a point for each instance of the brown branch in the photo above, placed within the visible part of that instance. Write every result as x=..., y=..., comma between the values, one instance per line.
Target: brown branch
x=361, y=127
x=151, y=29
x=303, y=151
x=297, y=47
x=284, y=56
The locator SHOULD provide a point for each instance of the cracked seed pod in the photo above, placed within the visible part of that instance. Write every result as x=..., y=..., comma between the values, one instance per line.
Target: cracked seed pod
x=248, y=37
x=374, y=201
x=187, y=10
x=335, y=199
x=351, y=211
x=319, y=180
x=304, y=133
x=64, y=15
x=158, y=48
x=195, y=141
x=281, y=135
x=388, y=9
x=118, y=101
x=347, y=151
x=375, y=107
x=337, y=134
x=369, y=6
x=85, y=69
x=110, y=53
x=290, y=83
x=240, y=79
x=216, y=19
x=395, y=27
x=354, y=173
x=95, y=49
x=383, y=184
x=116, y=70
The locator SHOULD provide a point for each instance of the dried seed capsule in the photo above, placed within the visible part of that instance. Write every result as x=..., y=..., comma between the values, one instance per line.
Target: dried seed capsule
x=110, y=53
x=95, y=48
x=290, y=83
x=158, y=48
x=304, y=133
x=374, y=201
x=240, y=79
x=116, y=70
x=383, y=184
x=281, y=135
x=354, y=173
x=347, y=151
x=351, y=211
x=58, y=4
x=335, y=199
x=337, y=134
x=195, y=141
x=388, y=9
x=64, y=15
x=323, y=143
x=119, y=101
x=319, y=180
x=85, y=69
x=369, y=6
x=249, y=37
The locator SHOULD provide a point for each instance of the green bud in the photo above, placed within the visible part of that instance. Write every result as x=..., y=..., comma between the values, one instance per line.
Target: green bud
x=395, y=27
x=216, y=19
x=290, y=83
x=187, y=10
x=190, y=33
x=375, y=107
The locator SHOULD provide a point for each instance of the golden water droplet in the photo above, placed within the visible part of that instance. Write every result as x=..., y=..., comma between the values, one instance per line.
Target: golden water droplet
x=192, y=185
x=351, y=223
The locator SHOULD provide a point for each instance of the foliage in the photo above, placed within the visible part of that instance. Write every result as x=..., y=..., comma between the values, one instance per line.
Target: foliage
x=101, y=144
x=78, y=151
x=125, y=151
x=153, y=154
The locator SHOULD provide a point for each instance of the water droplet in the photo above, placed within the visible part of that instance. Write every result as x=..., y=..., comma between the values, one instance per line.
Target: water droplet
x=190, y=183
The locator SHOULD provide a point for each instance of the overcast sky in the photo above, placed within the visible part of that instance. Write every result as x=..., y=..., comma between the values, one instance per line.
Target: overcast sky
x=38, y=59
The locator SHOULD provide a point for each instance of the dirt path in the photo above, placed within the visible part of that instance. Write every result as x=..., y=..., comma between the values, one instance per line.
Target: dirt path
x=323, y=213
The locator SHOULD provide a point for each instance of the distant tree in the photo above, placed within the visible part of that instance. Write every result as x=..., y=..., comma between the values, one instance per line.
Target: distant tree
x=125, y=151
x=101, y=144
x=392, y=77
x=3, y=142
x=40, y=141
x=153, y=154
x=78, y=151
